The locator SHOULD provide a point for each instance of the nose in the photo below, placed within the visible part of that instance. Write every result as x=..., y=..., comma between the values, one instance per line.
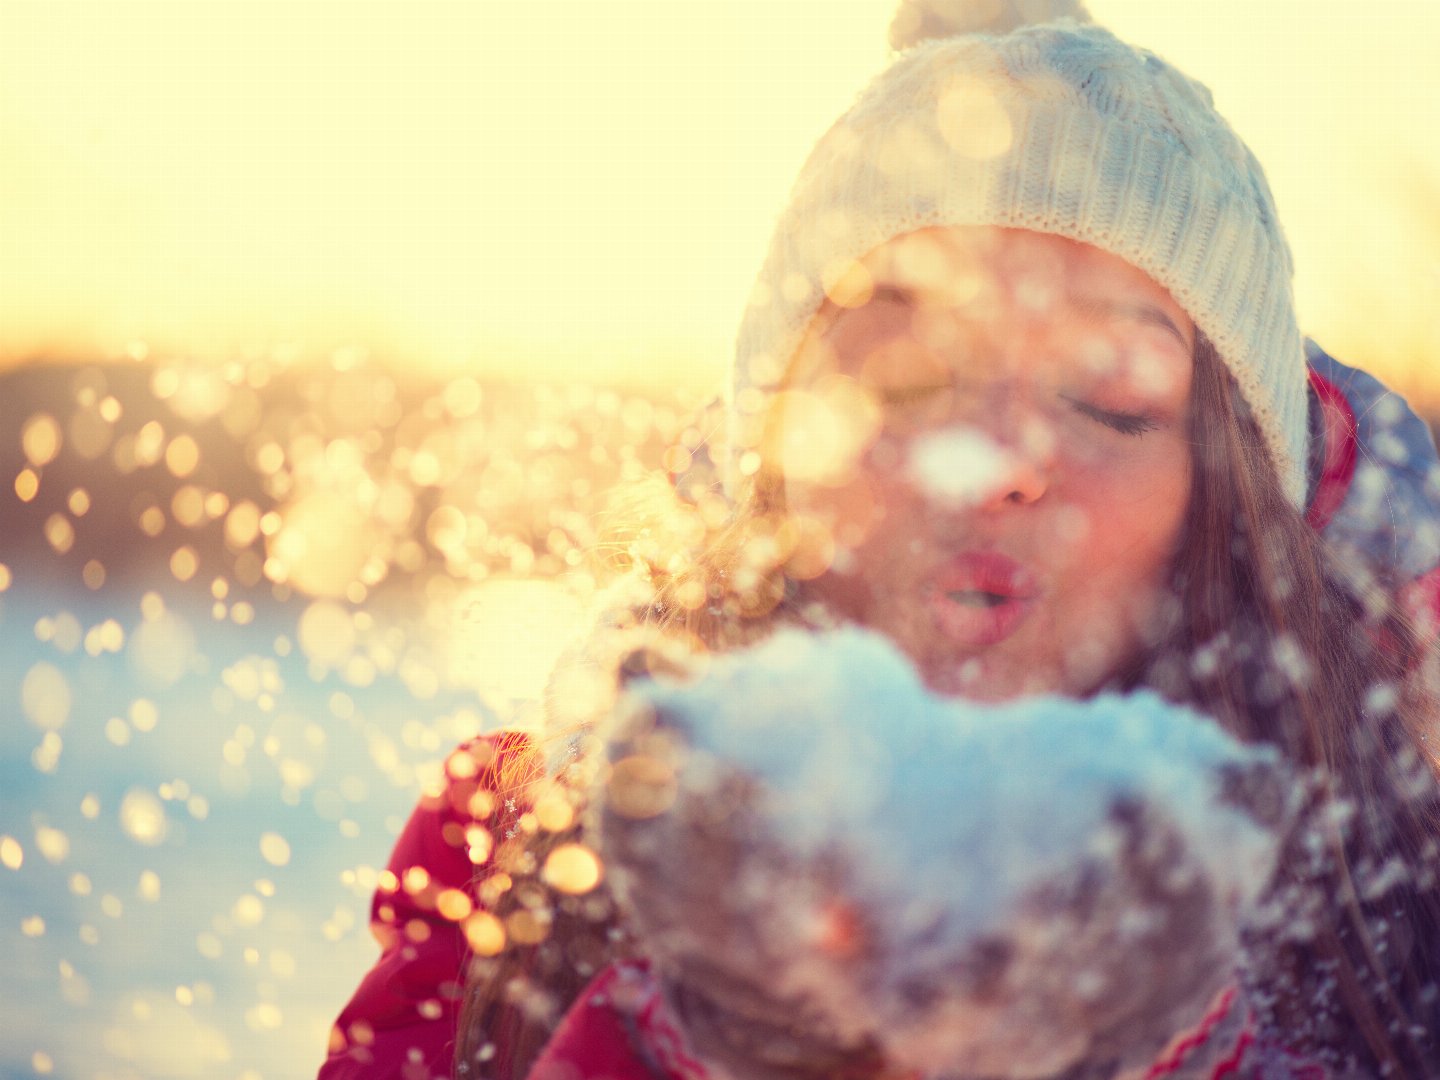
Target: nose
x=1023, y=440
x=1022, y=480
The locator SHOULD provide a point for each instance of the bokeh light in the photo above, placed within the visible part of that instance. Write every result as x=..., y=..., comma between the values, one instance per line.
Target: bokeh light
x=315, y=389
x=253, y=652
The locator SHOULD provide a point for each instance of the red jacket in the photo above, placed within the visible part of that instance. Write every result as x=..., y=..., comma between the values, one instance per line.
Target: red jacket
x=401, y=1021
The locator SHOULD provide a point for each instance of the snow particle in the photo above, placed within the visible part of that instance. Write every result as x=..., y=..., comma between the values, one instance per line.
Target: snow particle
x=973, y=120
x=12, y=855
x=148, y=887
x=60, y=533
x=484, y=933
x=45, y=696
x=265, y=1016
x=142, y=817
x=52, y=843
x=40, y=439
x=27, y=485
x=454, y=904
x=327, y=633
x=248, y=910
x=573, y=869
x=275, y=849
x=143, y=714
x=959, y=466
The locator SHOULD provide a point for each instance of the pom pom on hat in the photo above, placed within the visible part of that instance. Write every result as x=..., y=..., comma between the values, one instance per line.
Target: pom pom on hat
x=920, y=20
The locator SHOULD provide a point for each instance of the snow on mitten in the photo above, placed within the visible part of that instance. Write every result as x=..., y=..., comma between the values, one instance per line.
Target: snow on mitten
x=834, y=870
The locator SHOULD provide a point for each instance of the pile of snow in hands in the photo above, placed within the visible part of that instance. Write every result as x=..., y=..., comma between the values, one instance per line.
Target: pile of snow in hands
x=1020, y=891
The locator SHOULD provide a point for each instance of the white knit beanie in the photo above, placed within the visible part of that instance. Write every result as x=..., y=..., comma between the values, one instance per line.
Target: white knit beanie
x=1059, y=128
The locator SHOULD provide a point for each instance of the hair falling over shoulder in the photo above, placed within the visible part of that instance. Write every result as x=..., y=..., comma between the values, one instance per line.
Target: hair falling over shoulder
x=1283, y=645
x=1266, y=633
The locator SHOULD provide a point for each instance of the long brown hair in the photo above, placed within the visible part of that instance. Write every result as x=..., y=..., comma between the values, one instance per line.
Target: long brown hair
x=1268, y=636
x=1283, y=645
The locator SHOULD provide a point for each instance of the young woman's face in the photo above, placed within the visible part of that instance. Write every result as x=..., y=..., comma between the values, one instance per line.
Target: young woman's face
x=992, y=425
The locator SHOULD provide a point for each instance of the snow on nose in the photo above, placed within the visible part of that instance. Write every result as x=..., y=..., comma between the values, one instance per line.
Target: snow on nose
x=962, y=466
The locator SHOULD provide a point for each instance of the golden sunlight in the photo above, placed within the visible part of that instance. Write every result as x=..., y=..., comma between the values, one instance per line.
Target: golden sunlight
x=572, y=188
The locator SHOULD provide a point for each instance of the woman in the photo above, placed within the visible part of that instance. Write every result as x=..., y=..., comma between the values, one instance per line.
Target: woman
x=1040, y=253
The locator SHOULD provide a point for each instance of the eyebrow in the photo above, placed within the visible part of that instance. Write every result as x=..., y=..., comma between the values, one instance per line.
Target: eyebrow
x=898, y=294
x=1090, y=308
x=1095, y=309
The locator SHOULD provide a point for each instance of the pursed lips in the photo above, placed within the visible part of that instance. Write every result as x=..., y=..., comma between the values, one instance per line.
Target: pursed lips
x=979, y=598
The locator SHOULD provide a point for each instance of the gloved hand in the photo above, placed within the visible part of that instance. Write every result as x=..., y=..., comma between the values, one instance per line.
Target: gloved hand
x=836, y=871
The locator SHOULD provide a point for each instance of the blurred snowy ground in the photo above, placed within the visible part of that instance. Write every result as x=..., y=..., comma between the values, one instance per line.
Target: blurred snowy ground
x=244, y=613
x=176, y=914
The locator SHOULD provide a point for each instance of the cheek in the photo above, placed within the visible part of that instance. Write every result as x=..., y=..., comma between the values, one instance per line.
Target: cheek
x=874, y=496
x=847, y=514
x=1116, y=585
x=1124, y=529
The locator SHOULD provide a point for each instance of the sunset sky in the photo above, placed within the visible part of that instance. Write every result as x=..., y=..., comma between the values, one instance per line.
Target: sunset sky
x=562, y=186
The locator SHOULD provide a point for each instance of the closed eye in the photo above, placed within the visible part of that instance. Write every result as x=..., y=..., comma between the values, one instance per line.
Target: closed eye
x=910, y=395
x=1123, y=422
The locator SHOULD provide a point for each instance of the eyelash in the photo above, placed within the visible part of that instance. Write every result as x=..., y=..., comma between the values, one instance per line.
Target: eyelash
x=1125, y=423
x=1132, y=424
